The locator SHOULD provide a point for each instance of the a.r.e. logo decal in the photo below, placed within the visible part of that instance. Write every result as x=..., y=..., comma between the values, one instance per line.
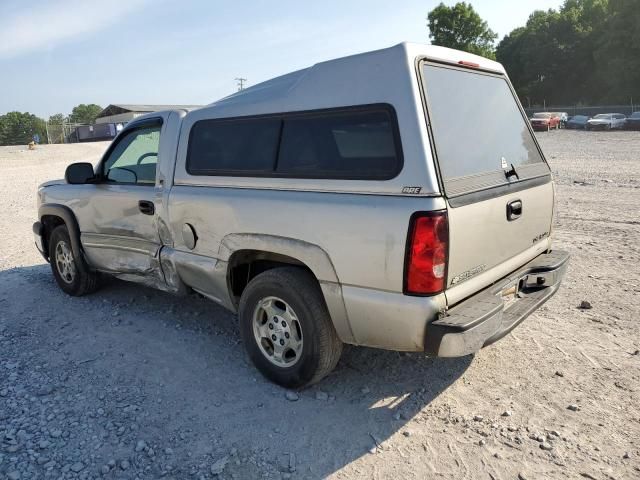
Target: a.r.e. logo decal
x=411, y=190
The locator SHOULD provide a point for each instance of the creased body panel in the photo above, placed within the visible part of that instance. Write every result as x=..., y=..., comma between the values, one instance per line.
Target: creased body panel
x=346, y=240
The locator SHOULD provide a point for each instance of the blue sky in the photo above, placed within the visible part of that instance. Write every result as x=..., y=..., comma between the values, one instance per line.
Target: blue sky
x=58, y=53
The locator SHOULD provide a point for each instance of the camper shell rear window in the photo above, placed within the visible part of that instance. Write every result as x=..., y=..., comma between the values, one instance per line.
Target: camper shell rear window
x=479, y=132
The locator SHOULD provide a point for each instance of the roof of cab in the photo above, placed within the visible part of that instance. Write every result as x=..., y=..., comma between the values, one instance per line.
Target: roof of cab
x=312, y=78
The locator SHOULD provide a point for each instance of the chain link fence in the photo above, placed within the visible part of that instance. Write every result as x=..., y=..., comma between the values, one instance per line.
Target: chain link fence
x=62, y=132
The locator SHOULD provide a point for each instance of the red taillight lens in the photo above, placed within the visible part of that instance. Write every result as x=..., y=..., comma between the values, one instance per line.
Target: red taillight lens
x=469, y=64
x=426, y=267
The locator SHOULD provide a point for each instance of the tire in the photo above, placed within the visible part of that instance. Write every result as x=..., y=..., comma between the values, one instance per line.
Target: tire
x=311, y=348
x=72, y=274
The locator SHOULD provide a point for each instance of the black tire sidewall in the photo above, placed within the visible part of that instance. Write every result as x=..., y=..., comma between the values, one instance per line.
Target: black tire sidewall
x=59, y=234
x=304, y=369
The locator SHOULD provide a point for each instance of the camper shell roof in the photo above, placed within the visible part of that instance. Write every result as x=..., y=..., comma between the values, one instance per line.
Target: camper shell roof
x=388, y=76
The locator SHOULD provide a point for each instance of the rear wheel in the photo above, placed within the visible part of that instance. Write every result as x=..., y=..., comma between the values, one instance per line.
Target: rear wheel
x=286, y=328
x=72, y=274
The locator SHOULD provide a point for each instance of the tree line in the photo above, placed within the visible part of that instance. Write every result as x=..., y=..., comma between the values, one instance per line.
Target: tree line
x=587, y=52
x=19, y=128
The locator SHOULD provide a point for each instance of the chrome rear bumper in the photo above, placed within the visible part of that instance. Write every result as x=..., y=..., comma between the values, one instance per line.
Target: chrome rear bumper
x=492, y=313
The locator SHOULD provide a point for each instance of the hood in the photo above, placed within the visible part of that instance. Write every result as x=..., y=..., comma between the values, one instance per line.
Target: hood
x=52, y=182
x=545, y=120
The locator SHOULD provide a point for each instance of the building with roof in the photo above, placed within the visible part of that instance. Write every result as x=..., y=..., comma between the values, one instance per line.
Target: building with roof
x=123, y=113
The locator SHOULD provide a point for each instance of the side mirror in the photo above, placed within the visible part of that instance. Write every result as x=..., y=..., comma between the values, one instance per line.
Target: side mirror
x=79, y=173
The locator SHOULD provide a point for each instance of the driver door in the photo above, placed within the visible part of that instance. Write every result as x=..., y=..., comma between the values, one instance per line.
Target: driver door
x=119, y=227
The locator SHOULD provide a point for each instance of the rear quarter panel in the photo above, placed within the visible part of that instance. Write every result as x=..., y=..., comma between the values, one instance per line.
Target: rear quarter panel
x=363, y=235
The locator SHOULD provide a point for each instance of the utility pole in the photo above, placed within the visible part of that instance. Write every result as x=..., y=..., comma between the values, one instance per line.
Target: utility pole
x=241, y=82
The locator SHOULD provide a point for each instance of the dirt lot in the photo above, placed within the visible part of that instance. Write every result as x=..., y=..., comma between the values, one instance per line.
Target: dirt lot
x=132, y=383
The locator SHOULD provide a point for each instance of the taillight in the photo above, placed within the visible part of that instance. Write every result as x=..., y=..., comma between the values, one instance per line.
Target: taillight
x=469, y=64
x=427, y=245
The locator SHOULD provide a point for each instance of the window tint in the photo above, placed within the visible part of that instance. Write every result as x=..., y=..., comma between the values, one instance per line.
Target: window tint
x=477, y=125
x=233, y=146
x=348, y=145
x=135, y=157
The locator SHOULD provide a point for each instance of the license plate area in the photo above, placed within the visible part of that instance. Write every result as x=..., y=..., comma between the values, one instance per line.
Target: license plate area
x=509, y=295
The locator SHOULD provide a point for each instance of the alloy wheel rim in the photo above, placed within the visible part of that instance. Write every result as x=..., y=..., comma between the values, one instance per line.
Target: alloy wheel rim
x=64, y=262
x=277, y=331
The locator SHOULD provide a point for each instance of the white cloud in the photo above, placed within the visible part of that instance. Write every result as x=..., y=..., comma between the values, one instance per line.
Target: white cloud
x=45, y=27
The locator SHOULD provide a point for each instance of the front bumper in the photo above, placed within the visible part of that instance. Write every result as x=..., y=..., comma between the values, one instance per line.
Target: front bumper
x=491, y=314
x=538, y=127
x=38, y=230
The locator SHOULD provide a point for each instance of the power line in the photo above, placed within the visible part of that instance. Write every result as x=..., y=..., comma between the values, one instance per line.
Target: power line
x=241, y=81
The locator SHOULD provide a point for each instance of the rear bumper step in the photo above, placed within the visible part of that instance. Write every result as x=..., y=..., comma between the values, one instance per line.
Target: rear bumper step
x=492, y=313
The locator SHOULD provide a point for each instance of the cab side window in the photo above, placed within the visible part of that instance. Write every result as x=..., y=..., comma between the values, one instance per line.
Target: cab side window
x=135, y=157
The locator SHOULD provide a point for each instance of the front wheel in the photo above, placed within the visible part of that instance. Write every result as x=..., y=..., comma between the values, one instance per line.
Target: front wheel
x=286, y=327
x=72, y=274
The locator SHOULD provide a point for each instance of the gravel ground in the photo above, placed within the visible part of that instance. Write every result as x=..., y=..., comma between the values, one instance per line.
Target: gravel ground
x=133, y=383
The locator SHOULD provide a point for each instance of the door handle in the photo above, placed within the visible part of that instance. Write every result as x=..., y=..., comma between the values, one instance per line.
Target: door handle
x=514, y=210
x=146, y=207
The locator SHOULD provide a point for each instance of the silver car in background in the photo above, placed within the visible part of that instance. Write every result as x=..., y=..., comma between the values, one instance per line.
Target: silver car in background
x=607, y=121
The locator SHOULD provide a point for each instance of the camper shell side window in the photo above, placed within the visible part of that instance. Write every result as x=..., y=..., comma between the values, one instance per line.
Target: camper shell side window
x=353, y=143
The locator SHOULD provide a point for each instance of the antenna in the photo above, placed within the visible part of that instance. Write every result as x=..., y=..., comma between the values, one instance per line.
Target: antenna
x=241, y=81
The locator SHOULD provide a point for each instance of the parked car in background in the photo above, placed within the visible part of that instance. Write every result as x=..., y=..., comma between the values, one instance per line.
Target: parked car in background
x=633, y=122
x=577, y=122
x=545, y=121
x=606, y=121
x=444, y=258
x=564, y=117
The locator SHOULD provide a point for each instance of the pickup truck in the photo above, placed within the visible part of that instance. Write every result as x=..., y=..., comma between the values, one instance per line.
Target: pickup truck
x=348, y=202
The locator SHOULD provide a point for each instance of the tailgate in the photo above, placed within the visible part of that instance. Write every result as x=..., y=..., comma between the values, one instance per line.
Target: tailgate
x=484, y=245
x=497, y=183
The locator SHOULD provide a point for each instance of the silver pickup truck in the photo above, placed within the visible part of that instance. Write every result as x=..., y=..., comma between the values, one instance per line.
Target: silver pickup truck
x=396, y=199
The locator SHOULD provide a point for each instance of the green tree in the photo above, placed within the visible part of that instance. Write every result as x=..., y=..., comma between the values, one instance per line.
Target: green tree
x=617, y=55
x=17, y=128
x=57, y=119
x=577, y=54
x=461, y=27
x=85, y=113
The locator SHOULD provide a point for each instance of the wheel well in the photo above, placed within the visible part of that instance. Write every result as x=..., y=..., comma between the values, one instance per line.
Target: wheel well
x=244, y=265
x=49, y=223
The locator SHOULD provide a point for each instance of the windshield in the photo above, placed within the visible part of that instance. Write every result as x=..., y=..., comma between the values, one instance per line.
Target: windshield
x=541, y=115
x=603, y=116
x=635, y=115
x=478, y=129
x=580, y=118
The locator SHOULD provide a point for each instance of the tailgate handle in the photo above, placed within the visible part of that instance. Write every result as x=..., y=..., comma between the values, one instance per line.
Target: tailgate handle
x=514, y=210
